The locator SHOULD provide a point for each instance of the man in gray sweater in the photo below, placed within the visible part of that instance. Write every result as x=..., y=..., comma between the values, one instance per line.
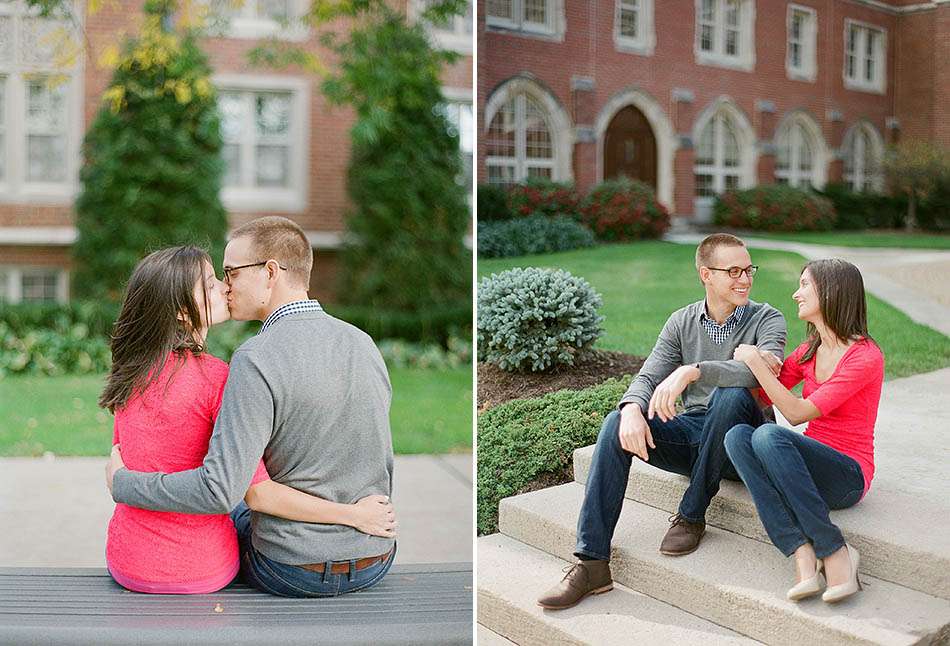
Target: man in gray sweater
x=693, y=358
x=311, y=394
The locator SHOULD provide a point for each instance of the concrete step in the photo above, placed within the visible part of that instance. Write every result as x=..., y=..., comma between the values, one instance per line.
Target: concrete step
x=511, y=575
x=897, y=539
x=731, y=580
x=486, y=637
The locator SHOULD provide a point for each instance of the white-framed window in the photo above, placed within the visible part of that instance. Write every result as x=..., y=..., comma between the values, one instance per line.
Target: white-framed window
x=795, y=161
x=718, y=165
x=862, y=159
x=633, y=26
x=454, y=33
x=253, y=19
x=519, y=142
x=725, y=33
x=40, y=108
x=265, y=126
x=31, y=284
x=801, y=51
x=544, y=17
x=458, y=107
x=865, y=57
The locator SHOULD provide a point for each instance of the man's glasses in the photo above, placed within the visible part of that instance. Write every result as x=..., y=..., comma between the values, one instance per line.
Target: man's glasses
x=735, y=272
x=229, y=270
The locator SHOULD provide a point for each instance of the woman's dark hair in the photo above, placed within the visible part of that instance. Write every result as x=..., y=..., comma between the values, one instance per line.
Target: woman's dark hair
x=148, y=328
x=841, y=302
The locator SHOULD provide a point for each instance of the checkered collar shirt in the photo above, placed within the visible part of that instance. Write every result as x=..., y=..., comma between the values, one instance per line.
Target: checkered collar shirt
x=295, y=307
x=719, y=333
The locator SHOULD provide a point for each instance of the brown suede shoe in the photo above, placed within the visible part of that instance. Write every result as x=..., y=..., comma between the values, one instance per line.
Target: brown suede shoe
x=683, y=536
x=582, y=579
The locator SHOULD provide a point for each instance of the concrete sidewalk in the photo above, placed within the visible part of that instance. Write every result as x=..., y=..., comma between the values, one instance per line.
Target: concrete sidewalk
x=55, y=511
x=914, y=281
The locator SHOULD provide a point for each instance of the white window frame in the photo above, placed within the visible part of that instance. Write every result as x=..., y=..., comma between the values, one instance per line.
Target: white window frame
x=456, y=39
x=521, y=161
x=14, y=281
x=553, y=26
x=15, y=188
x=821, y=156
x=808, y=70
x=248, y=25
x=645, y=41
x=745, y=59
x=291, y=198
x=859, y=175
x=718, y=169
x=879, y=83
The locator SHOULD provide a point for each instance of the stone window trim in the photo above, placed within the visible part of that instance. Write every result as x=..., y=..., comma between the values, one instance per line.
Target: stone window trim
x=16, y=74
x=456, y=39
x=12, y=279
x=724, y=106
x=553, y=28
x=858, y=81
x=557, y=120
x=294, y=197
x=851, y=153
x=248, y=24
x=807, y=70
x=644, y=43
x=799, y=121
x=744, y=60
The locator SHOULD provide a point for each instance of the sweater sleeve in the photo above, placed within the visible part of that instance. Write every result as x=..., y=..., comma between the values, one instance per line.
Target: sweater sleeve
x=860, y=367
x=241, y=432
x=666, y=356
x=770, y=337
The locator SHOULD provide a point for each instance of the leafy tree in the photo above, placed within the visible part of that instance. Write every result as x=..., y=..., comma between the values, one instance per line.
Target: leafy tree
x=916, y=168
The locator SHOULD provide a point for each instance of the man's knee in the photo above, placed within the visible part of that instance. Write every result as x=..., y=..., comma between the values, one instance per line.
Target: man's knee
x=610, y=429
x=730, y=397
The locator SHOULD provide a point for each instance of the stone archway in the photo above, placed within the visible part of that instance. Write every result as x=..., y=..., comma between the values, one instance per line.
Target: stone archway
x=629, y=147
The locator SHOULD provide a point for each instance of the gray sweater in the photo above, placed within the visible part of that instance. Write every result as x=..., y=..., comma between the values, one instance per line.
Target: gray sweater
x=684, y=341
x=311, y=394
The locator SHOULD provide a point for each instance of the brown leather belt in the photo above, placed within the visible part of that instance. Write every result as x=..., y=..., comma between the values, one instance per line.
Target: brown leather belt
x=343, y=567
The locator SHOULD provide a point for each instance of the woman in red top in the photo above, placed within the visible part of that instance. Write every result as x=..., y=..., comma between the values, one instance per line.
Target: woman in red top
x=165, y=391
x=795, y=479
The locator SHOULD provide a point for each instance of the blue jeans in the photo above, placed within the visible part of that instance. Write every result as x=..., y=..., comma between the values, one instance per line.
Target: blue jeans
x=284, y=580
x=688, y=444
x=794, y=481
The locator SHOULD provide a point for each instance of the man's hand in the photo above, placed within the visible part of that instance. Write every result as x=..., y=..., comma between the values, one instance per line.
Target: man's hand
x=375, y=516
x=773, y=362
x=634, y=432
x=114, y=464
x=663, y=401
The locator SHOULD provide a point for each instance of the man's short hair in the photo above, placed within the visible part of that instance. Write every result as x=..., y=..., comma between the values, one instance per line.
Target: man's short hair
x=274, y=237
x=707, y=248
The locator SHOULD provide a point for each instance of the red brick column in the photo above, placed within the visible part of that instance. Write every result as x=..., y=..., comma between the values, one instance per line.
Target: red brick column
x=684, y=183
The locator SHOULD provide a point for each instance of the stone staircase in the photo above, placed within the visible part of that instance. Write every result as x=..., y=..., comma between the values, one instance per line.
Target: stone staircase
x=731, y=590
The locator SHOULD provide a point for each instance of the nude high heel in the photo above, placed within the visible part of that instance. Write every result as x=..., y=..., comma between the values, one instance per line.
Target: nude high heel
x=837, y=593
x=806, y=587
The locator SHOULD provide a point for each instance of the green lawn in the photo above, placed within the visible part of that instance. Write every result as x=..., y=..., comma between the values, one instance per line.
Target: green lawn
x=861, y=238
x=642, y=283
x=431, y=413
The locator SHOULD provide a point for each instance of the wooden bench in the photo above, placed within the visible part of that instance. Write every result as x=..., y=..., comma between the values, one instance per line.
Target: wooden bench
x=413, y=604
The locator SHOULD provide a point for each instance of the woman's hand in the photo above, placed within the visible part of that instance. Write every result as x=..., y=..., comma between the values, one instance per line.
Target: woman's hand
x=374, y=515
x=746, y=353
x=114, y=464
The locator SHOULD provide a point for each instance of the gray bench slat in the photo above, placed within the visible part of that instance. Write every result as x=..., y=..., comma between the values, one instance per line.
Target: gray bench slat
x=414, y=604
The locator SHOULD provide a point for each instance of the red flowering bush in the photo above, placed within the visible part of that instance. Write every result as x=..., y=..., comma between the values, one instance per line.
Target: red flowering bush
x=539, y=196
x=774, y=207
x=623, y=209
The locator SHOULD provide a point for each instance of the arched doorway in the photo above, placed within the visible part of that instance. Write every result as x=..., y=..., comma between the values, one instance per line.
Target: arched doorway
x=630, y=147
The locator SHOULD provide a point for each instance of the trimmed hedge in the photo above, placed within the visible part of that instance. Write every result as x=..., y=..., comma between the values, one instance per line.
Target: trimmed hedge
x=774, y=207
x=533, y=234
x=865, y=210
x=493, y=203
x=64, y=350
x=542, y=196
x=620, y=210
x=96, y=316
x=933, y=213
x=522, y=440
x=434, y=325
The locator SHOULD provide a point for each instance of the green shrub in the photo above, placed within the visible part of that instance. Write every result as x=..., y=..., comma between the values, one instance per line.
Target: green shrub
x=67, y=349
x=426, y=356
x=435, y=324
x=152, y=164
x=520, y=441
x=933, y=214
x=857, y=210
x=535, y=319
x=774, y=207
x=622, y=209
x=533, y=234
x=97, y=316
x=541, y=196
x=493, y=203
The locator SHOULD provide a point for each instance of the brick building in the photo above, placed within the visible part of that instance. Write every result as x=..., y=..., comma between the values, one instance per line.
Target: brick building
x=697, y=96
x=297, y=170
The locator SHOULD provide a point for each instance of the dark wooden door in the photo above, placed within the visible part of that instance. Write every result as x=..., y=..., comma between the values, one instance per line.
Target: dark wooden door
x=630, y=147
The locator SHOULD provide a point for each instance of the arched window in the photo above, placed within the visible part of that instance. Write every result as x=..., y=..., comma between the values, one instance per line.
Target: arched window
x=862, y=159
x=520, y=142
x=718, y=159
x=795, y=163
